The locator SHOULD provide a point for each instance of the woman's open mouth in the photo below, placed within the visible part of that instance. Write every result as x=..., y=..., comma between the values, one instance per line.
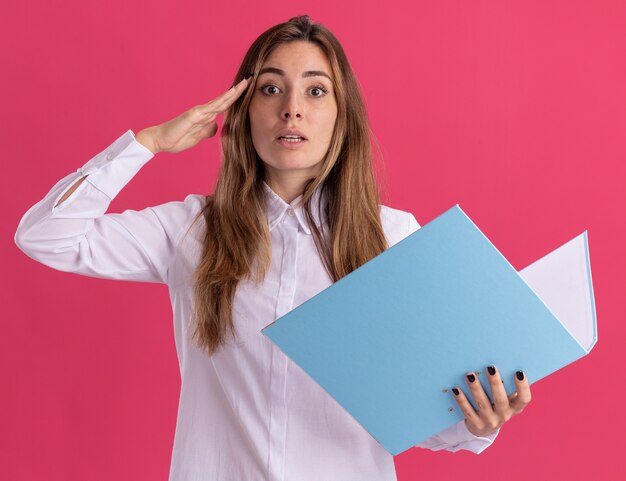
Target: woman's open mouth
x=291, y=141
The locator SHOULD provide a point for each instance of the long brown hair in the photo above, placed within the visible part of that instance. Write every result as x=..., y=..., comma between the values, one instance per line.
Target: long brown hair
x=236, y=245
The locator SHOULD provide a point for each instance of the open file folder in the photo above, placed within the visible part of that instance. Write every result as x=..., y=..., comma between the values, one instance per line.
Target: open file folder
x=391, y=338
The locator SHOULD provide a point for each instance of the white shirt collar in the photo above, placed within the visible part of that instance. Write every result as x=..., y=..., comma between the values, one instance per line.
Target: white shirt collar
x=277, y=208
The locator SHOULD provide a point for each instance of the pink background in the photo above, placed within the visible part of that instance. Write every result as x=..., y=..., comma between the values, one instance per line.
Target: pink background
x=515, y=110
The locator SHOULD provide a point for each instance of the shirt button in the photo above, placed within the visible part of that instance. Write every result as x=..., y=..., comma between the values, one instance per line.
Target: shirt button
x=110, y=155
x=291, y=212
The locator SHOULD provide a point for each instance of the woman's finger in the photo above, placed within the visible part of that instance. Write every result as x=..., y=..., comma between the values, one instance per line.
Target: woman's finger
x=523, y=397
x=466, y=407
x=483, y=404
x=498, y=393
x=225, y=100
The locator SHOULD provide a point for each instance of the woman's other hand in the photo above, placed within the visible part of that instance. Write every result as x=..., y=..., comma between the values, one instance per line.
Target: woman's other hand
x=491, y=415
x=189, y=128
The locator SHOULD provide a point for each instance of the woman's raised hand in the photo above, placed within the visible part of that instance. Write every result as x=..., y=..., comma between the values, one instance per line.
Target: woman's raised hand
x=189, y=128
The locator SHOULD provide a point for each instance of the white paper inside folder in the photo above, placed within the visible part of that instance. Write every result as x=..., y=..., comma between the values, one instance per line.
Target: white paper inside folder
x=562, y=279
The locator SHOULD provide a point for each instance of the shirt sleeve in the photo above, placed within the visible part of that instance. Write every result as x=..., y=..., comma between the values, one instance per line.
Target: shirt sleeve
x=458, y=437
x=77, y=236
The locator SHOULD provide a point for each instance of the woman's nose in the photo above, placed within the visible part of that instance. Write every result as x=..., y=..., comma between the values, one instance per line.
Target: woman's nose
x=292, y=108
x=289, y=114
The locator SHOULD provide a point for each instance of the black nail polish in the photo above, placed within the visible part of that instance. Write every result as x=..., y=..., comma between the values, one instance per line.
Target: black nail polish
x=455, y=391
x=520, y=375
x=492, y=370
x=249, y=75
x=471, y=377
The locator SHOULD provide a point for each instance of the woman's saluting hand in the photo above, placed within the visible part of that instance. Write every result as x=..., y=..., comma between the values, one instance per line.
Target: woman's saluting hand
x=189, y=128
x=491, y=415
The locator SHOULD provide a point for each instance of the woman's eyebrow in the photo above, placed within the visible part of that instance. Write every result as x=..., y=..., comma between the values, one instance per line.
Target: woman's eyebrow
x=308, y=73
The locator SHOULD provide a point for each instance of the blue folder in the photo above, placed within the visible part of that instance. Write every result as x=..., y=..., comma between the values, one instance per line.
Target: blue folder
x=389, y=340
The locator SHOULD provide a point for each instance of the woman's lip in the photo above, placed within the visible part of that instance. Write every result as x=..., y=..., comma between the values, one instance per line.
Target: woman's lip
x=290, y=145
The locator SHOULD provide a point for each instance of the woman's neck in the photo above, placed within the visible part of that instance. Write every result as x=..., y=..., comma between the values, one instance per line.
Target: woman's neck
x=287, y=186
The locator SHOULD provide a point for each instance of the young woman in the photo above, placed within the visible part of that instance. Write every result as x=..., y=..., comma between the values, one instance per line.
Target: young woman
x=295, y=208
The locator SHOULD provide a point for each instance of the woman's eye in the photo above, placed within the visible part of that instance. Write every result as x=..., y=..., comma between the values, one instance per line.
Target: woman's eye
x=315, y=91
x=322, y=91
x=265, y=89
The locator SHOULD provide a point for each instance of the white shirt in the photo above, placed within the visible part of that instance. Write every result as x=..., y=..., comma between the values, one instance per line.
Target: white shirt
x=248, y=413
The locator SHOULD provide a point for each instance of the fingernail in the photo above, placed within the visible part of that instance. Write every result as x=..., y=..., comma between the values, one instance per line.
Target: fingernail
x=492, y=370
x=471, y=377
x=455, y=391
x=249, y=75
x=520, y=375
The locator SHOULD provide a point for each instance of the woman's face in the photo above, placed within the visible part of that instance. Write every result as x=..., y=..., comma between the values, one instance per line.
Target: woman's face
x=293, y=91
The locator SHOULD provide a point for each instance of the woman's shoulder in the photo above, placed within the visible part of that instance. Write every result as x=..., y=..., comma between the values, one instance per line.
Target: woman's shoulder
x=177, y=216
x=190, y=205
x=397, y=224
x=180, y=210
